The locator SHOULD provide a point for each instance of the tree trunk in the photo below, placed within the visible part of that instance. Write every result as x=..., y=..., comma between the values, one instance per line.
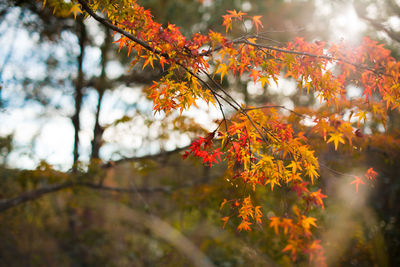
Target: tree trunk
x=101, y=86
x=78, y=95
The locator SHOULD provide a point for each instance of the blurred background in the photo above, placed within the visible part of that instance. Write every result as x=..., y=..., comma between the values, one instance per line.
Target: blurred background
x=70, y=107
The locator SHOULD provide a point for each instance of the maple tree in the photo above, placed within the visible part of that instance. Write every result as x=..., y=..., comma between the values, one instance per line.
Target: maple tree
x=263, y=146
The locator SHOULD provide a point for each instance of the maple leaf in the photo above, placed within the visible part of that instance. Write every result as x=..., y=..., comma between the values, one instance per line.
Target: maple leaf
x=315, y=250
x=362, y=115
x=264, y=80
x=122, y=41
x=197, y=151
x=162, y=62
x=311, y=172
x=368, y=92
x=336, y=138
x=315, y=245
x=275, y=222
x=244, y=225
x=286, y=224
x=75, y=9
x=307, y=222
x=317, y=197
x=130, y=45
x=295, y=166
x=357, y=181
x=235, y=14
x=223, y=69
x=227, y=22
x=371, y=174
x=255, y=74
x=247, y=209
x=273, y=182
x=257, y=22
x=293, y=247
x=223, y=203
x=225, y=220
x=258, y=214
x=299, y=188
x=149, y=59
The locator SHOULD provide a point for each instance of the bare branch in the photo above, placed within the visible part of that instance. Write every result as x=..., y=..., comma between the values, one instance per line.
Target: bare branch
x=6, y=204
x=378, y=26
x=146, y=157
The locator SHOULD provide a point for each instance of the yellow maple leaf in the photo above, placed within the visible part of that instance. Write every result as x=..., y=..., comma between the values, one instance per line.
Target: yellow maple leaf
x=306, y=222
x=336, y=138
x=273, y=182
x=311, y=171
x=362, y=115
x=264, y=80
x=223, y=69
x=295, y=166
x=75, y=9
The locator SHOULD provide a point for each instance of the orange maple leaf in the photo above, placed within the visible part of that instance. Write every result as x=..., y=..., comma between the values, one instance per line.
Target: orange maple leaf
x=225, y=220
x=307, y=222
x=122, y=41
x=286, y=224
x=257, y=22
x=235, y=14
x=244, y=225
x=223, y=203
x=317, y=197
x=275, y=222
x=227, y=22
x=162, y=62
x=255, y=74
x=258, y=213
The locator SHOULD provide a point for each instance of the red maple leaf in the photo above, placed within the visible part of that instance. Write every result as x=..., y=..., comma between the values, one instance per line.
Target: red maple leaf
x=371, y=174
x=357, y=181
x=317, y=197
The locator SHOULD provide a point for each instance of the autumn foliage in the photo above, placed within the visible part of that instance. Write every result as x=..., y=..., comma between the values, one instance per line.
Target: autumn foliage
x=263, y=146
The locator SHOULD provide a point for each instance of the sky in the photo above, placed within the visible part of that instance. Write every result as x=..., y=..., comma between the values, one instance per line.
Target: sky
x=50, y=137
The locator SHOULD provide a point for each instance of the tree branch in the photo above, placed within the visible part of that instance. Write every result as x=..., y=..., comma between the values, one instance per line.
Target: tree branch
x=110, y=25
x=112, y=163
x=6, y=204
x=378, y=26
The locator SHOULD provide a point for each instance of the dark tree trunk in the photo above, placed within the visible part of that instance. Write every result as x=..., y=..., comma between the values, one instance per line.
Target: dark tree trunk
x=101, y=86
x=78, y=95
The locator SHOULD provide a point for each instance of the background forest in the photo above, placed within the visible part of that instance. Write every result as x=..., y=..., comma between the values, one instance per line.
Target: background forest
x=73, y=110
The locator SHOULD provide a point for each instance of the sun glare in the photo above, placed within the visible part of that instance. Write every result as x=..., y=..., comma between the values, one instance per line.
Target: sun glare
x=346, y=25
